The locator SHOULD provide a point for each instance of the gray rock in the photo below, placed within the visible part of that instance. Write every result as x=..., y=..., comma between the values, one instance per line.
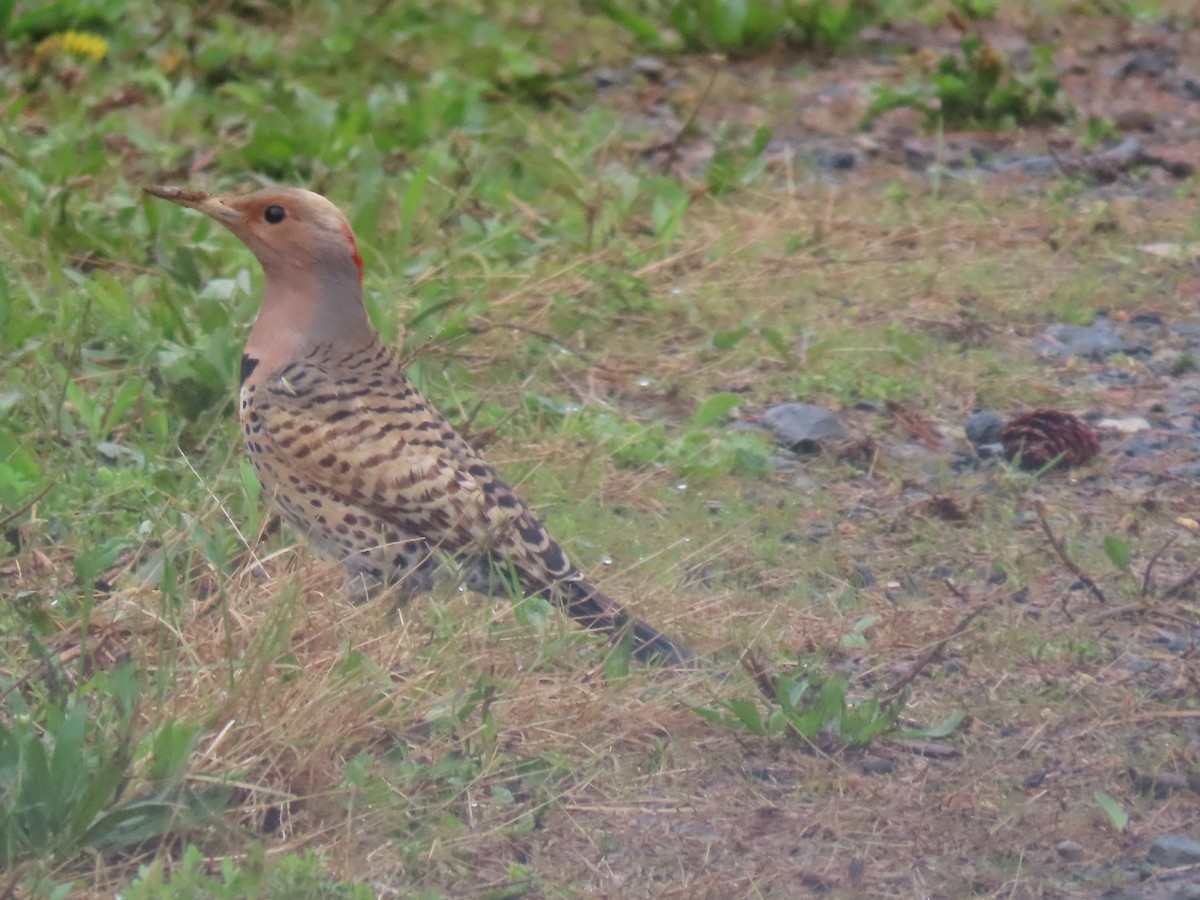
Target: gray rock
x=984, y=427
x=1186, y=329
x=1187, y=470
x=1150, y=61
x=1173, y=850
x=1028, y=165
x=1094, y=341
x=801, y=425
x=650, y=66
x=605, y=77
x=837, y=160
x=1071, y=851
x=1139, y=666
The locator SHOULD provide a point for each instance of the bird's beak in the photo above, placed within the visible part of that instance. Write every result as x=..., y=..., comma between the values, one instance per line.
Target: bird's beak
x=209, y=204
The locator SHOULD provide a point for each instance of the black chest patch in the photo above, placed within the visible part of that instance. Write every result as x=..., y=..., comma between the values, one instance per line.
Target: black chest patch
x=249, y=364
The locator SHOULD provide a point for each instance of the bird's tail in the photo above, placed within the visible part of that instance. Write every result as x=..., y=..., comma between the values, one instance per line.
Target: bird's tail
x=581, y=600
x=599, y=612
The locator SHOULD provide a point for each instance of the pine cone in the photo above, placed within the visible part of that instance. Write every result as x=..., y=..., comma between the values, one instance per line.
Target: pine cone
x=1043, y=435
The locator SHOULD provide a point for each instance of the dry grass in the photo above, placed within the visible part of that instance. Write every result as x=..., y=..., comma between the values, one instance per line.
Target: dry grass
x=614, y=787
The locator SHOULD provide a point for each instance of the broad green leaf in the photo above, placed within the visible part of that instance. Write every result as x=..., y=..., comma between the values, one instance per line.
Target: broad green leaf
x=867, y=622
x=727, y=21
x=714, y=409
x=943, y=729
x=1117, y=817
x=640, y=27
x=748, y=714
x=727, y=340
x=1119, y=551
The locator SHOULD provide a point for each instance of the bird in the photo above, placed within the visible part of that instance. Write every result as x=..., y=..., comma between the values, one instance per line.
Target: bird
x=354, y=457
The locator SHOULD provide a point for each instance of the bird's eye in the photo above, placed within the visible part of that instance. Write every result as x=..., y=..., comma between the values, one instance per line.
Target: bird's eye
x=274, y=214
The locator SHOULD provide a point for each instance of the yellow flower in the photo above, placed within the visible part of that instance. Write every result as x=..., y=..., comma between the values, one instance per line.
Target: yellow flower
x=74, y=43
x=85, y=45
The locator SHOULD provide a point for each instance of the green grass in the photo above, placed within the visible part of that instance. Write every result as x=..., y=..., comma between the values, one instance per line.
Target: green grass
x=189, y=707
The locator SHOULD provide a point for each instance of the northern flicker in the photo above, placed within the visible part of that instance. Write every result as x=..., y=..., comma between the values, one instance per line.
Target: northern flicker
x=354, y=457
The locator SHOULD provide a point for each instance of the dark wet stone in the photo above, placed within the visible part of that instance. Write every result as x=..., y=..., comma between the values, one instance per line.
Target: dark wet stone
x=1071, y=851
x=1179, y=645
x=863, y=577
x=984, y=427
x=802, y=425
x=1151, y=61
x=1160, y=784
x=1094, y=341
x=837, y=160
x=1173, y=850
x=877, y=766
x=604, y=77
x=1147, y=320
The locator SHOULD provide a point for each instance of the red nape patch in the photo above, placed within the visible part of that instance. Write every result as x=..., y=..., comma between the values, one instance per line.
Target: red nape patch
x=354, y=254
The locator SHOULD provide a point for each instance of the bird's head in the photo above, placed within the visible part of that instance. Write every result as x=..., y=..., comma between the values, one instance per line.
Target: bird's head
x=291, y=231
x=313, y=293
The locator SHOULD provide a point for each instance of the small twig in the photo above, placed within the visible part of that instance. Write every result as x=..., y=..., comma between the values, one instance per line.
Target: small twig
x=671, y=145
x=28, y=506
x=1061, y=552
x=1150, y=565
x=758, y=672
x=957, y=591
x=929, y=655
